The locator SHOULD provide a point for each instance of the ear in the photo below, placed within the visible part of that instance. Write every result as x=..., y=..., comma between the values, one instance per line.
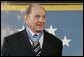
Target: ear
x=26, y=19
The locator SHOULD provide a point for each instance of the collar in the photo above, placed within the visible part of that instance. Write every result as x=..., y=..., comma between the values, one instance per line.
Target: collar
x=31, y=34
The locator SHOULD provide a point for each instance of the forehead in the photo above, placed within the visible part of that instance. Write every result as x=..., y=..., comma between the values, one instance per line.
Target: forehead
x=37, y=10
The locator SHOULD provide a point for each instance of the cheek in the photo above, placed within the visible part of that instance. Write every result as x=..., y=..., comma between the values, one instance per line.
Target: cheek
x=32, y=23
x=44, y=21
x=28, y=22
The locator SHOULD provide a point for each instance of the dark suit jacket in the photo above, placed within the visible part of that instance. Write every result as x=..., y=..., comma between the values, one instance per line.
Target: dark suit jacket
x=18, y=44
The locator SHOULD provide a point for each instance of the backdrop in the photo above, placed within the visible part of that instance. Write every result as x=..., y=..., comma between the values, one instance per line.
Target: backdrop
x=63, y=20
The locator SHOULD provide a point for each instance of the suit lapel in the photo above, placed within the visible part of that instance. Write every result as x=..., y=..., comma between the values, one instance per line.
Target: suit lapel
x=25, y=39
x=46, y=45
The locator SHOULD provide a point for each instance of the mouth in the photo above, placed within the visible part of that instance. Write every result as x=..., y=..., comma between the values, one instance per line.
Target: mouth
x=40, y=27
x=40, y=24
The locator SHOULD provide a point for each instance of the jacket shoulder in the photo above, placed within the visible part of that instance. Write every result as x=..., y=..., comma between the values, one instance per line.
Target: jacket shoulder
x=14, y=36
x=52, y=37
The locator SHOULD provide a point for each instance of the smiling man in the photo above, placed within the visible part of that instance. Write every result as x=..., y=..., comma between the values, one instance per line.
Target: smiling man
x=33, y=40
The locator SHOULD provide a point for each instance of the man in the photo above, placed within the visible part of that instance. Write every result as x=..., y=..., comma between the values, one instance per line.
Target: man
x=33, y=40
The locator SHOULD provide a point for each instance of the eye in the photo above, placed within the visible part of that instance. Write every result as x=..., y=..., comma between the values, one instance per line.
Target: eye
x=44, y=17
x=37, y=16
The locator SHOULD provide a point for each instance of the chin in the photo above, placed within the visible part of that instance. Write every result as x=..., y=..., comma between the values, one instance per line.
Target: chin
x=39, y=30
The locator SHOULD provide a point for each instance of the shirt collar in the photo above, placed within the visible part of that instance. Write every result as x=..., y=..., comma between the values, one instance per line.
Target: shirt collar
x=31, y=34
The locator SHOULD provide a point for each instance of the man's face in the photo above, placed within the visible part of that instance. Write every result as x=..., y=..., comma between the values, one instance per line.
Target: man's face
x=36, y=19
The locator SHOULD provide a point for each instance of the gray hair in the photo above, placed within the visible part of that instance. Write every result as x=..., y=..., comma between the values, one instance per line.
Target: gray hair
x=28, y=10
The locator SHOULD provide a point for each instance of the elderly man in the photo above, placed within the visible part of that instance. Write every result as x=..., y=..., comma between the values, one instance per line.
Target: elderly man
x=33, y=40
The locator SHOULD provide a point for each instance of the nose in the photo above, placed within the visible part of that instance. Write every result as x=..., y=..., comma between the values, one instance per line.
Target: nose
x=42, y=19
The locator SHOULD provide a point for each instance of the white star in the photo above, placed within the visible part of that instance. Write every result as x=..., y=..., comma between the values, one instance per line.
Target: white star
x=6, y=11
x=66, y=41
x=22, y=11
x=11, y=32
x=23, y=27
x=18, y=17
x=4, y=32
x=8, y=28
x=51, y=30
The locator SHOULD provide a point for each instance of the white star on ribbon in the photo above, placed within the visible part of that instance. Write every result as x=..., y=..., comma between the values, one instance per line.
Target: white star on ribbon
x=51, y=30
x=66, y=41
